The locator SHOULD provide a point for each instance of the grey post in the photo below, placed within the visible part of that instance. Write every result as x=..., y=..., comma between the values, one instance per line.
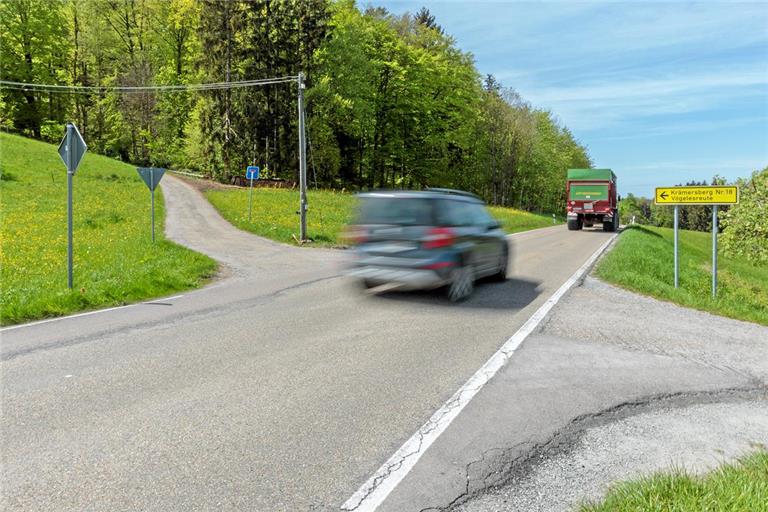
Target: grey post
x=152, y=191
x=677, y=255
x=302, y=163
x=70, y=173
x=250, y=199
x=714, y=251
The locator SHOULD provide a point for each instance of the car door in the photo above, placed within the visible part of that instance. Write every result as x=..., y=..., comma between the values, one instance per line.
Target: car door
x=487, y=236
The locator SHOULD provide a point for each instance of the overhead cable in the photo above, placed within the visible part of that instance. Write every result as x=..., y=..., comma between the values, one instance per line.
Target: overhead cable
x=91, y=89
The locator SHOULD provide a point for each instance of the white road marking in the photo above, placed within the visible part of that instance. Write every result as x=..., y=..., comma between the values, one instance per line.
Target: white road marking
x=373, y=492
x=87, y=313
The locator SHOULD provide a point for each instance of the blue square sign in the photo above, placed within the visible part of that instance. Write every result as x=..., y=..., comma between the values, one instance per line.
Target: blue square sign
x=252, y=172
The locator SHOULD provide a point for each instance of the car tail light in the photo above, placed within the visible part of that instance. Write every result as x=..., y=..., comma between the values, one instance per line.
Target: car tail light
x=356, y=235
x=439, y=237
x=438, y=265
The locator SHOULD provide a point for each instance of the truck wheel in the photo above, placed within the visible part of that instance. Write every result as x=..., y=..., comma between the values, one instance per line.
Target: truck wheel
x=608, y=226
x=573, y=224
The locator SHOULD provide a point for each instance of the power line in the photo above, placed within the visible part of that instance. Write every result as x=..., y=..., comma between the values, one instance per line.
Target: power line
x=91, y=89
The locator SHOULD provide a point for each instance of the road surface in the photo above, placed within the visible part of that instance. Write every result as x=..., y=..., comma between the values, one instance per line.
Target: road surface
x=278, y=387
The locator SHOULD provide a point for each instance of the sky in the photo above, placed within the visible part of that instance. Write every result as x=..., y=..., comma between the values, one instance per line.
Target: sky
x=661, y=92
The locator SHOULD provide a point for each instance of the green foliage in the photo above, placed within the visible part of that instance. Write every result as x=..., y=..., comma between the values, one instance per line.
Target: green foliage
x=33, y=48
x=274, y=214
x=115, y=261
x=391, y=100
x=635, y=207
x=739, y=486
x=407, y=109
x=746, y=224
x=642, y=261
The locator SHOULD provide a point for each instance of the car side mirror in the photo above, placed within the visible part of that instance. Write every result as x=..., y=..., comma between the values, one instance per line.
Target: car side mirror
x=494, y=224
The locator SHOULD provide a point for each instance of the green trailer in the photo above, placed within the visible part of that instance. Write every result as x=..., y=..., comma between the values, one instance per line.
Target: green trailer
x=592, y=199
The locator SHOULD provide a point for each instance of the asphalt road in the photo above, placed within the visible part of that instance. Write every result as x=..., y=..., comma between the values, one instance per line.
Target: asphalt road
x=278, y=387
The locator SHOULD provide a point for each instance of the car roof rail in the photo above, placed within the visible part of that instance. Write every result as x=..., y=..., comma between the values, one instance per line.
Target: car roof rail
x=453, y=192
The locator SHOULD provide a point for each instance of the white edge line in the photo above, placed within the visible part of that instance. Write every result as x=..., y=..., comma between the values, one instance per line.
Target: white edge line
x=373, y=492
x=87, y=313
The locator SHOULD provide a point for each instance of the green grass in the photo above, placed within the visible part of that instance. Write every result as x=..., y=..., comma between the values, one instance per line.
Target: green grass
x=275, y=214
x=642, y=261
x=738, y=487
x=115, y=261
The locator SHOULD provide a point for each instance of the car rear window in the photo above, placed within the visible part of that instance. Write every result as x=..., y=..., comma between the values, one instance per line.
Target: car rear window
x=404, y=211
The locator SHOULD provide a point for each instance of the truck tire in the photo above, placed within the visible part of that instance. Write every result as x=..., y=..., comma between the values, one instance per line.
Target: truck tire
x=573, y=225
x=608, y=225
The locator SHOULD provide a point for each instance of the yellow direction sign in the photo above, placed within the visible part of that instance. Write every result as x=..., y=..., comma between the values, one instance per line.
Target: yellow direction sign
x=697, y=195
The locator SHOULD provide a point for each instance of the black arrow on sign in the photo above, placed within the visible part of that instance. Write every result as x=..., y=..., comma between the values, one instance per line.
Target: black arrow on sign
x=664, y=195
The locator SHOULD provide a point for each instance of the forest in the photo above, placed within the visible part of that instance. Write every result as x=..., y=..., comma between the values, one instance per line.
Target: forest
x=391, y=100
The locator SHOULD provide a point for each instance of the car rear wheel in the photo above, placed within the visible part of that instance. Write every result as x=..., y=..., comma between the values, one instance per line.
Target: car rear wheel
x=462, y=284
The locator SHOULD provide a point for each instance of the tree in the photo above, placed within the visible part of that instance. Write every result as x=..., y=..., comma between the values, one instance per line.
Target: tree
x=33, y=49
x=745, y=225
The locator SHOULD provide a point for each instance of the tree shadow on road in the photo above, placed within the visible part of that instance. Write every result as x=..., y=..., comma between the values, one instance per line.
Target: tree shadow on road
x=512, y=294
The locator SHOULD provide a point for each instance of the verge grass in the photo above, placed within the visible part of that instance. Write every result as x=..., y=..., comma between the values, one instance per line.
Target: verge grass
x=739, y=487
x=115, y=261
x=642, y=261
x=275, y=214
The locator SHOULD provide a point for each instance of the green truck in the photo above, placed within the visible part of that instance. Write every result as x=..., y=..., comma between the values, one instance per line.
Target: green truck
x=592, y=199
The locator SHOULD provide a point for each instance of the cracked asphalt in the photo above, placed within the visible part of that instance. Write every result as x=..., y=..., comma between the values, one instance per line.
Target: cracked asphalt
x=277, y=387
x=612, y=385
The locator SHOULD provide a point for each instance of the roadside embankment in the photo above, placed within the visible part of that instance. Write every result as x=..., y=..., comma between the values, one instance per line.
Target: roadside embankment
x=693, y=430
x=115, y=261
x=642, y=261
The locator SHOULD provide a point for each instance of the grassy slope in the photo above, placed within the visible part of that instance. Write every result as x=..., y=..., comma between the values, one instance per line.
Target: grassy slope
x=643, y=261
x=742, y=486
x=275, y=217
x=115, y=261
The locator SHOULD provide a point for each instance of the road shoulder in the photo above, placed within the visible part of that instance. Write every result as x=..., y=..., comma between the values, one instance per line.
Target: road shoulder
x=603, y=354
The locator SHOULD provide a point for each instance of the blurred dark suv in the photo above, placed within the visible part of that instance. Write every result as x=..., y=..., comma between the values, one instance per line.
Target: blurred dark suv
x=421, y=240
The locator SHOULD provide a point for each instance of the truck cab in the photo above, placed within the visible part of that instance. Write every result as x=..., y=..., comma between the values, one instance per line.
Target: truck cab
x=592, y=199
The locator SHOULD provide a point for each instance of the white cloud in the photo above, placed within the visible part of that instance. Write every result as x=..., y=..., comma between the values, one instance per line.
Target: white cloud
x=604, y=104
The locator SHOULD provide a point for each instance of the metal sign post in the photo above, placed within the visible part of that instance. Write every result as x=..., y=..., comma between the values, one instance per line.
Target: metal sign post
x=714, y=251
x=703, y=195
x=677, y=253
x=152, y=193
x=71, y=150
x=152, y=177
x=302, y=164
x=70, y=173
x=251, y=173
